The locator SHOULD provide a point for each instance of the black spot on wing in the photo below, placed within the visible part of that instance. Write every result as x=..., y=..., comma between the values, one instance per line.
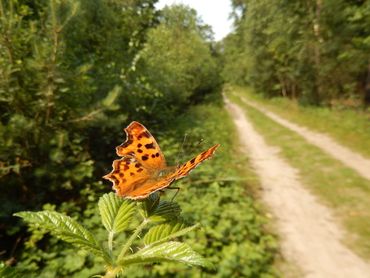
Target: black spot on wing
x=145, y=157
x=150, y=146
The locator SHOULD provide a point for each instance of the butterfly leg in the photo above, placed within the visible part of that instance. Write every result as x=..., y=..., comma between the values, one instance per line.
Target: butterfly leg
x=177, y=191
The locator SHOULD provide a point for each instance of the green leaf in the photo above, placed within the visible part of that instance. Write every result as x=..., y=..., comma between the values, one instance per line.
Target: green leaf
x=165, y=211
x=116, y=212
x=9, y=272
x=171, y=251
x=158, y=211
x=164, y=232
x=65, y=228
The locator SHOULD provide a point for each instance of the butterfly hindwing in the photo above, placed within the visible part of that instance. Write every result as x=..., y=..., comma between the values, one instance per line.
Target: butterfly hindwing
x=150, y=187
x=142, y=169
x=142, y=145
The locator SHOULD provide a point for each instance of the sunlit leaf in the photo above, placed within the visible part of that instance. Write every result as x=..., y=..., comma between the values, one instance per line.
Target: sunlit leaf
x=115, y=212
x=171, y=251
x=166, y=231
x=65, y=228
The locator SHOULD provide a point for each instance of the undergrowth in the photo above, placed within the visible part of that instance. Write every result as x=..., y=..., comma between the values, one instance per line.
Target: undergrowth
x=233, y=236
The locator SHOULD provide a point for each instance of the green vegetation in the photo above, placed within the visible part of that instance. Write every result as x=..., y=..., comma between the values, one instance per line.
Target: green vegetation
x=73, y=74
x=162, y=218
x=217, y=196
x=348, y=126
x=314, y=51
x=339, y=187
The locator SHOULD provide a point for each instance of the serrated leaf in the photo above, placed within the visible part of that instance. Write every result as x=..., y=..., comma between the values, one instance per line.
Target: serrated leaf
x=158, y=211
x=65, y=228
x=165, y=211
x=164, y=232
x=116, y=213
x=171, y=251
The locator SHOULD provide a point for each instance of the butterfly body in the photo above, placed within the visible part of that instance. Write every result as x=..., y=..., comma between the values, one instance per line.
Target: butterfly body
x=142, y=169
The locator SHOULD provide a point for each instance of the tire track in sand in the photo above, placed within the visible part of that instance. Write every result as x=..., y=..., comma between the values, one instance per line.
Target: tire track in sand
x=349, y=158
x=309, y=236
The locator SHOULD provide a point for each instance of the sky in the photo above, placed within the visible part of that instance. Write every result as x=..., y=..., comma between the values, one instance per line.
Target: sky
x=212, y=12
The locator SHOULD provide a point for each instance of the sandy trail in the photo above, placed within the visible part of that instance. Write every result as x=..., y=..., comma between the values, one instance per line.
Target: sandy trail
x=349, y=158
x=309, y=236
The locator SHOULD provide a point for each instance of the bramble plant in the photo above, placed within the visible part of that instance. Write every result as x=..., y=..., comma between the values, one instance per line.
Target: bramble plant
x=158, y=220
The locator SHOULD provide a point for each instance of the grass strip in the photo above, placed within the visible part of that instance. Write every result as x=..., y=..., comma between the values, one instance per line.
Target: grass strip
x=336, y=185
x=348, y=126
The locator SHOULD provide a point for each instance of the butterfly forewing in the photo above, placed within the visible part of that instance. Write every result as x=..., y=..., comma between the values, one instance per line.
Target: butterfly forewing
x=185, y=168
x=127, y=175
x=142, y=169
x=142, y=145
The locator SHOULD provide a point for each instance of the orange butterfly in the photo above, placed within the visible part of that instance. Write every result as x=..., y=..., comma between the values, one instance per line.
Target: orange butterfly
x=142, y=169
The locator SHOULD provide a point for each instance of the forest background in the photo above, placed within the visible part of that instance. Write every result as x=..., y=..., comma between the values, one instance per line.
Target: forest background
x=73, y=74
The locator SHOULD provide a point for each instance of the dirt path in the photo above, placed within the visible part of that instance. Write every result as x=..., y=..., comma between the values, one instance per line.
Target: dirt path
x=349, y=158
x=308, y=234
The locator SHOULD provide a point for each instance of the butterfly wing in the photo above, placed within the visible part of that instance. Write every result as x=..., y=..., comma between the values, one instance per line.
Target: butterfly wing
x=137, y=173
x=185, y=168
x=142, y=145
x=152, y=185
x=127, y=175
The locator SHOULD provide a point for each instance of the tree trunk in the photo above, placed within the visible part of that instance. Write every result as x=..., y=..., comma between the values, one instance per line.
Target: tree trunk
x=367, y=88
x=317, y=52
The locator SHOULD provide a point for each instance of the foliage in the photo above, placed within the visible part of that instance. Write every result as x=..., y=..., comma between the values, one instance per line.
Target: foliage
x=116, y=215
x=178, y=61
x=72, y=75
x=315, y=51
x=217, y=195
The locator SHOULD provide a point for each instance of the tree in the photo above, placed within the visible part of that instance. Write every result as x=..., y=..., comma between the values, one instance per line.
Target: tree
x=178, y=61
x=312, y=50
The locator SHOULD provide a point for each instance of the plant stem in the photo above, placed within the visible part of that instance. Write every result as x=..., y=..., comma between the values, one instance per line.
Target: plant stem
x=110, y=241
x=132, y=238
x=112, y=273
